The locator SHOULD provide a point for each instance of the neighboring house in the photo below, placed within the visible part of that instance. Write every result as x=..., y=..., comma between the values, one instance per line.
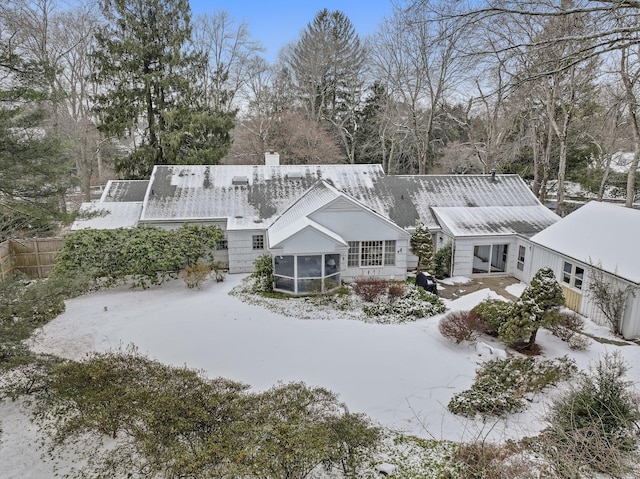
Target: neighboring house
x=600, y=238
x=324, y=223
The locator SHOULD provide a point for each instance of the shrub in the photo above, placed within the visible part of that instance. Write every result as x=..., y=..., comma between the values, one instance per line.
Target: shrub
x=569, y=329
x=263, y=274
x=442, y=261
x=414, y=304
x=370, y=289
x=501, y=385
x=395, y=290
x=195, y=274
x=461, y=326
x=494, y=313
x=481, y=460
x=594, y=426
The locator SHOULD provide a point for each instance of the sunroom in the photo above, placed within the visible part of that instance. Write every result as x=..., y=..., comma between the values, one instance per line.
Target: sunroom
x=307, y=258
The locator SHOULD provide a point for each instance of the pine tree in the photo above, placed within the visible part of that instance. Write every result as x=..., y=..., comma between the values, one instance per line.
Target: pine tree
x=421, y=245
x=148, y=71
x=537, y=307
x=34, y=170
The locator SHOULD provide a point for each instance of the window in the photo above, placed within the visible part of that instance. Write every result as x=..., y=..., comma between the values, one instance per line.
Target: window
x=521, y=255
x=223, y=244
x=353, y=257
x=389, y=253
x=572, y=275
x=371, y=253
x=258, y=241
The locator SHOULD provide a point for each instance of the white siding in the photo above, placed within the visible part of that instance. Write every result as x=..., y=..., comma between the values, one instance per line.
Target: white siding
x=399, y=271
x=463, y=253
x=358, y=225
x=241, y=252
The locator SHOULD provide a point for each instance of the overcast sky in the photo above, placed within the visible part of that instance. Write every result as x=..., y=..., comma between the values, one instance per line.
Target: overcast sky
x=278, y=22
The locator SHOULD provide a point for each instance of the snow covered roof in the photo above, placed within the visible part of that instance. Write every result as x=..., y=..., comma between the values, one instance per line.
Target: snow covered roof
x=598, y=233
x=495, y=220
x=189, y=192
x=247, y=193
x=277, y=237
x=108, y=216
x=124, y=190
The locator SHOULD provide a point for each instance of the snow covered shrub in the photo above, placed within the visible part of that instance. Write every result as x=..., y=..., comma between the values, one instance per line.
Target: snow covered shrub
x=263, y=274
x=370, y=289
x=395, y=290
x=461, y=326
x=483, y=460
x=414, y=304
x=494, y=313
x=569, y=329
x=537, y=307
x=502, y=384
x=593, y=428
x=193, y=275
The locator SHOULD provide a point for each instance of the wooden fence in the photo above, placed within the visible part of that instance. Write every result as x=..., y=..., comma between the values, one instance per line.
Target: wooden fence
x=33, y=257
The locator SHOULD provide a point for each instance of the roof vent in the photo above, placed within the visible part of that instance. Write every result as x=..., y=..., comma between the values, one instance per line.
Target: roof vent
x=239, y=180
x=294, y=175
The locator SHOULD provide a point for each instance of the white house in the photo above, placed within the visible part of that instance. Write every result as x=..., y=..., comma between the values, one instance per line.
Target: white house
x=597, y=238
x=350, y=217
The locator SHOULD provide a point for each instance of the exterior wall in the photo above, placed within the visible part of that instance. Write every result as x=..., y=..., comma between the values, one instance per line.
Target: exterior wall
x=523, y=274
x=309, y=241
x=354, y=224
x=398, y=272
x=463, y=254
x=579, y=299
x=241, y=252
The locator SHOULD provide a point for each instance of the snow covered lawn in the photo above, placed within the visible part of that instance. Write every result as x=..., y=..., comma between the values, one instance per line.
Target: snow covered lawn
x=402, y=376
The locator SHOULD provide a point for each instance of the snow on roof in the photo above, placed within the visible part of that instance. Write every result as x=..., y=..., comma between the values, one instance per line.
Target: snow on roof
x=208, y=191
x=495, y=220
x=108, y=216
x=124, y=190
x=598, y=233
x=193, y=192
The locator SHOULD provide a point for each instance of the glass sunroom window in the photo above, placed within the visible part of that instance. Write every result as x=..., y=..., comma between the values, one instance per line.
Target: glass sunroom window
x=302, y=274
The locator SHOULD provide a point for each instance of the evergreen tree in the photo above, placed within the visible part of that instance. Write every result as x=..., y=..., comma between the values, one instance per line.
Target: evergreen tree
x=34, y=172
x=421, y=245
x=537, y=307
x=144, y=60
x=327, y=66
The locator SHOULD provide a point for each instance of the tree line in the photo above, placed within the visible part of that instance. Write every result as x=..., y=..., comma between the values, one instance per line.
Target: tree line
x=110, y=88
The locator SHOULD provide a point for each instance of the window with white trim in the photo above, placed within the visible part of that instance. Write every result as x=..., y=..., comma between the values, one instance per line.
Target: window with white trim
x=258, y=241
x=222, y=244
x=522, y=251
x=573, y=275
x=371, y=253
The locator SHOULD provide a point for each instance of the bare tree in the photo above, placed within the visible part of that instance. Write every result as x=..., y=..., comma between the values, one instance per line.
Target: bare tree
x=416, y=54
x=231, y=55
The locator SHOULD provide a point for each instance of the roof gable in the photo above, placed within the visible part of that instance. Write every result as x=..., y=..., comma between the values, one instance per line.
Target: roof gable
x=598, y=233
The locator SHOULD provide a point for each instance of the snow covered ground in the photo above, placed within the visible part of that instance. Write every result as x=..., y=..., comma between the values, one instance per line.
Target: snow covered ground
x=402, y=376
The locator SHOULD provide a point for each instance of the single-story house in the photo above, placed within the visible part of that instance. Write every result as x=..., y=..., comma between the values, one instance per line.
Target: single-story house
x=596, y=239
x=324, y=223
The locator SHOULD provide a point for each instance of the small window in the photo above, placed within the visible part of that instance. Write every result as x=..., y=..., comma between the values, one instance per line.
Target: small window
x=572, y=275
x=389, y=253
x=258, y=241
x=224, y=244
x=354, y=253
x=521, y=255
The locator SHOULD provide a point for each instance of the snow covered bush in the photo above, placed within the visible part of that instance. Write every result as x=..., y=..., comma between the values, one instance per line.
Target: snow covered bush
x=461, y=326
x=263, y=274
x=502, y=385
x=414, y=304
x=537, y=307
x=494, y=313
x=593, y=427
